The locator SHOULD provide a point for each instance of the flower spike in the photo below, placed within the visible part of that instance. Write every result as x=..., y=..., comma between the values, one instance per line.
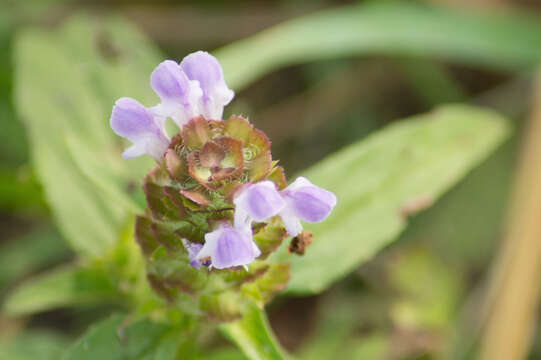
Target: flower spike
x=305, y=201
x=216, y=198
x=134, y=122
x=204, y=68
x=227, y=247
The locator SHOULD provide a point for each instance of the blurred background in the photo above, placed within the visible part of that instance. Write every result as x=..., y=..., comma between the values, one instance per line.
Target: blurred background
x=422, y=297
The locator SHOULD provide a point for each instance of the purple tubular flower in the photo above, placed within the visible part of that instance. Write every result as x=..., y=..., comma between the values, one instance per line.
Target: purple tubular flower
x=180, y=96
x=193, y=250
x=257, y=202
x=305, y=201
x=134, y=122
x=204, y=68
x=227, y=247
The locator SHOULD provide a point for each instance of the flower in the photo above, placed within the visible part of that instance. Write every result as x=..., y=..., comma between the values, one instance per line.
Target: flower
x=206, y=69
x=193, y=250
x=134, y=122
x=227, y=246
x=180, y=96
x=257, y=202
x=305, y=201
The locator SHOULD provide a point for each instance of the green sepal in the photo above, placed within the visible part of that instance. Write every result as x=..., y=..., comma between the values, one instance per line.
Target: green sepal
x=174, y=272
x=240, y=276
x=144, y=235
x=198, y=196
x=211, y=155
x=264, y=288
x=196, y=133
x=172, y=241
x=277, y=175
x=176, y=165
x=224, y=307
x=270, y=237
x=256, y=147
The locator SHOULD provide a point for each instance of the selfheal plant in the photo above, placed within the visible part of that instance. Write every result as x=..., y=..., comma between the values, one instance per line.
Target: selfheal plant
x=217, y=203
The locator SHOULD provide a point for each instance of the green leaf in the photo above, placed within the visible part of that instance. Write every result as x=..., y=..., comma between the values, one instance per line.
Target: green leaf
x=422, y=306
x=117, y=338
x=253, y=335
x=69, y=285
x=20, y=191
x=34, y=344
x=394, y=28
x=224, y=354
x=66, y=84
x=432, y=82
x=39, y=248
x=385, y=178
x=104, y=176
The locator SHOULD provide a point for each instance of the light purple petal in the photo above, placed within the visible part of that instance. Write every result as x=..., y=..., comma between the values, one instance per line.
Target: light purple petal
x=206, y=69
x=134, y=122
x=227, y=247
x=308, y=201
x=291, y=221
x=181, y=97
x=193, y=250
x=257, y=202
x=170, y=83
x=305, y=201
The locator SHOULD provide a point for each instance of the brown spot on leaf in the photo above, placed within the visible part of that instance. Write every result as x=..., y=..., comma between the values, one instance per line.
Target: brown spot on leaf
x=106, y=47
x=415, y=205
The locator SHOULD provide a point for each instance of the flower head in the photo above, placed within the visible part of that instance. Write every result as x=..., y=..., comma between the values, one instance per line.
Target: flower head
x=227, y=247
x=204, y=68
x=134, y=122
x=305, y=201
x=257, y=202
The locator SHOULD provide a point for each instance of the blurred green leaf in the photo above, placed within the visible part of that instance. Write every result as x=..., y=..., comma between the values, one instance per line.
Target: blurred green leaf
x=498, y=41
x=68, y=285
x=66, y=84
x=253, y=335
x=346, y=325
x=104, y=176
x=32, y=345
x=370, y=347
x=463, y=227
x=39, y=248
x=13, y=145
x=385, y=178
x=20, y=190
x=432, y=82
x=117, y=338
x=225, y=354
x=428, y=289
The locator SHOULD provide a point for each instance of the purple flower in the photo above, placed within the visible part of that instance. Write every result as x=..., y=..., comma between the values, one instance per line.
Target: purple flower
x=193, y=250
x=203, y=67
x=257, y=202
x=134, y=122
x=180, y=96
x=227, y=247
x=305, y=201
